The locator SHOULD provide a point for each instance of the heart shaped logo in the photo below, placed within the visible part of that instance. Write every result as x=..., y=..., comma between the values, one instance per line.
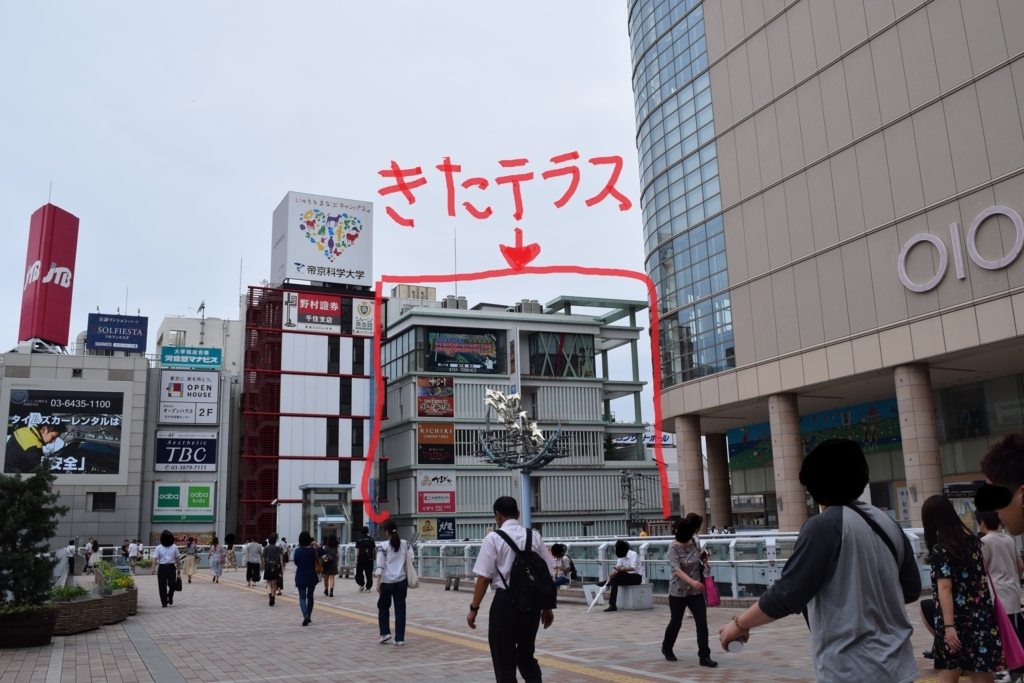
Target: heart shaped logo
x=332, y=234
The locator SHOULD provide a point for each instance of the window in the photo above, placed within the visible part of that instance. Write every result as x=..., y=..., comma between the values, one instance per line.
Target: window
x=357, y=438
x=332, y=437
x=358, y=357
x=334, y=355
x=561, y=355
x=344, y=471
x=100, y=502
x=345, y=396
x=176, y=338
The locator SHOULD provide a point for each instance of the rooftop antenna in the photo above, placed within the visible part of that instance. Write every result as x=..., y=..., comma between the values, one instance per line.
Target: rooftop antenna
x=50, y=193
x=456, y=261
x=126, y=299
x=202, y=321
x=240, y=262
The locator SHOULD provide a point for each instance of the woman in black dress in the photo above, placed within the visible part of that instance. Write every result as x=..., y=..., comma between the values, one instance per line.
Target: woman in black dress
x=330, y=565
x=272, y=566
x=966, y=634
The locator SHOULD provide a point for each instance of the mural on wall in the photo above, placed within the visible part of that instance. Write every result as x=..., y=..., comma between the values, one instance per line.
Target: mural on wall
x=875, y=426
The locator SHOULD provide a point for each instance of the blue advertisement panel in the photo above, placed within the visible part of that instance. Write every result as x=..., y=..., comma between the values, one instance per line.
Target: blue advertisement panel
x=206, y=357
x=875, y=426
x=186, y=452
x=446, y=528
x=116, y=332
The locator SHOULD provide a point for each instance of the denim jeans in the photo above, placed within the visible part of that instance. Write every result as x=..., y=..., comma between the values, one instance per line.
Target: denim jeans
x=306, y=601
x=561, y=581
x=398, y=592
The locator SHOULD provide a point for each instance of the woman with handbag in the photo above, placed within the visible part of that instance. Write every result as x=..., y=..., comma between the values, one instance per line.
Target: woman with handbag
x=686, y=589
x=307, y=566
x=230, y=561
x=191, y=552
x=167, y=567
x=966, y=637
x=393, y=582
x=272, y=566
x=330, y=565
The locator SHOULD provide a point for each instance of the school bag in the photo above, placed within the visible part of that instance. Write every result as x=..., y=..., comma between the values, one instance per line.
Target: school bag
x=529, y=584
x=573, y=574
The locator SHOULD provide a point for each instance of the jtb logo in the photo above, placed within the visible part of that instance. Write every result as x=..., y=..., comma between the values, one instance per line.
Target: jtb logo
x=57, y=275
x=958, y=257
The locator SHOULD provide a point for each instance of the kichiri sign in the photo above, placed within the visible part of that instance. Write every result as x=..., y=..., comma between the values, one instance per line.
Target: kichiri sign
x=958, y=257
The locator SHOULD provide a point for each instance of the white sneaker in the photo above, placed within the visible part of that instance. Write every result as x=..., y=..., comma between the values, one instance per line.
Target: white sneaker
x=384, y=639
x=399, y=643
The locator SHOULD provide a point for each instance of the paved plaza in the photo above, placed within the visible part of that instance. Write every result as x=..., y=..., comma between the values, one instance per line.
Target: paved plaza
x=226, y=632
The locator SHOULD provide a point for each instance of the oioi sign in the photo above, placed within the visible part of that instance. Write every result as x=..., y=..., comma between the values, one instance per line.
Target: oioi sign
x=958, y=257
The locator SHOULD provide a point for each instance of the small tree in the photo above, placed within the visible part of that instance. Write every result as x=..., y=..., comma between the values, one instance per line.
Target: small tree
x=28, y=520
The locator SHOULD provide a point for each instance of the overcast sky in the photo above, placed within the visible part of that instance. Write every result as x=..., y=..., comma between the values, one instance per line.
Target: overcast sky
x=173, y=130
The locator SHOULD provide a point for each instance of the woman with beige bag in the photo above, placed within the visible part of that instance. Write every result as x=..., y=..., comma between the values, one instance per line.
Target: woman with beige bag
x=396, y=574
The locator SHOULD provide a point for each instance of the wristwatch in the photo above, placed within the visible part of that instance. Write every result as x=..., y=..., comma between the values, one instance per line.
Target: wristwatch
x=474, y=609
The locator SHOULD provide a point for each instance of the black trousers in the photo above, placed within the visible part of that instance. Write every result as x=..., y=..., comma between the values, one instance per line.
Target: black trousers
x=364, y=573
x=699, y=608
x=252, y=571
x=622, y=579
x=512, y=634
x=165, y=577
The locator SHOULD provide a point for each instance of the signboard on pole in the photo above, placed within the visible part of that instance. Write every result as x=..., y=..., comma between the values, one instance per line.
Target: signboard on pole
x=116, y=332
x=184, y=502
x=427, y=529
x=435, y=491
x=435, y=444
x=188, y=397
x=186, y=451
x=362, y=317
x=200, y=357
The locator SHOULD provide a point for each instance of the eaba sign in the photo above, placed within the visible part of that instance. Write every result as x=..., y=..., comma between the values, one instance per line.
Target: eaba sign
x=49, y=276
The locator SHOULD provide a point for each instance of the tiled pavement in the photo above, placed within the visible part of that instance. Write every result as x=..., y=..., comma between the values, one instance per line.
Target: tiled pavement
x=227, y=632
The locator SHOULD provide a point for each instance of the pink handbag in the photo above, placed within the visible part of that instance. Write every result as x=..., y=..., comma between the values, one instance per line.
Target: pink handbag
x=1013, y=653
x=714, y=599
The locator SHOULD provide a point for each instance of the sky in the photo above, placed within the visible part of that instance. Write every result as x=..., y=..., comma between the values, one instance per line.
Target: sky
x=174, y=130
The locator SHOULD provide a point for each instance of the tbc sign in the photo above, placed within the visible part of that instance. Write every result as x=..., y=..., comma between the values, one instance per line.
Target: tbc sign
x=958, y=258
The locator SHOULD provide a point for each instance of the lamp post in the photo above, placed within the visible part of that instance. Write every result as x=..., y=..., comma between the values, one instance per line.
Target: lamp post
x=520, y=446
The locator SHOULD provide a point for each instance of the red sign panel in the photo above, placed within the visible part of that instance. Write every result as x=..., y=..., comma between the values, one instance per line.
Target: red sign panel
x=315, y=312
x=436, y=501
x=49, y=276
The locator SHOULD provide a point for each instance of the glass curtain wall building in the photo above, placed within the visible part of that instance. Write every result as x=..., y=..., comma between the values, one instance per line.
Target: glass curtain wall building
x=680, y=197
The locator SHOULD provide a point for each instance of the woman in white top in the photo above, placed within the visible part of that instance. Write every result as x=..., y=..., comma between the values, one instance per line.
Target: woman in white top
x=167, y=567
x=1004, y=565
x=563, y=567
x=392, y=583
x=71, y=560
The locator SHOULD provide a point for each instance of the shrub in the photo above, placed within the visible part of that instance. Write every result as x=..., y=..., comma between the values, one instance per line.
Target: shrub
x=145, y=564
x=67, y=592
x=26, y=527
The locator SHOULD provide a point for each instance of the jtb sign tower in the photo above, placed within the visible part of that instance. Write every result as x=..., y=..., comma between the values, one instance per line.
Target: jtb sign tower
x=49, y=276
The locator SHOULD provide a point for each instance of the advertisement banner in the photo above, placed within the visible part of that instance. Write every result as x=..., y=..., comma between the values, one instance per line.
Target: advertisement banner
x=313, y=312
x=322, y=239
x=185, y=502
x=514, y=369
x=200, y=357
x=188, y=397
x=435, y=444
x=117, y=332
x=435, y=491
x=446, y=528
x=186, y=451
x=181, y=537
x=362, y=317
x=475, y=352
x=49, y=275
x=435, y=396
x=79, y=431
x=427, y=529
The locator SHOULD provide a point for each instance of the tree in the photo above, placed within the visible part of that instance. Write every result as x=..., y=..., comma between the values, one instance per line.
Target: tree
x=28, y=522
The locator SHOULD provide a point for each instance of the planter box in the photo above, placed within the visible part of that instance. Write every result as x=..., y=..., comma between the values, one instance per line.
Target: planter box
x=133, y=601
x=32, y=629
x=115, y=607
x=79, y=615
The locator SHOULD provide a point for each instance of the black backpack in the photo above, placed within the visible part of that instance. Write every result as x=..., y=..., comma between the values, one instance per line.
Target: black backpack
x=529, y=584
x=573, y=574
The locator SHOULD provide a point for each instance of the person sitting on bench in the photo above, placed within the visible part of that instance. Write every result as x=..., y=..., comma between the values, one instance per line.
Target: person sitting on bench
x=628, y=571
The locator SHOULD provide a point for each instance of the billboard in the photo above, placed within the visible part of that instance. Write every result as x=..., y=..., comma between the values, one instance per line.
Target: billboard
x=362, y=317
x=446, y=528
x=322, y=239
x=116, y=332
x=435, y=396
x=78, y=430
x=200, y=357
x=454, y=351
x=183, y=502
x=188, y=397
x=874, y=426
x=435, y=444
x=186, y=452
x=49, y=275
x=435, y=491
x=314, y=312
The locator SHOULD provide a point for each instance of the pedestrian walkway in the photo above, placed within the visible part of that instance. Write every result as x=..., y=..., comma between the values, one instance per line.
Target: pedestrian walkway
x=226, y=632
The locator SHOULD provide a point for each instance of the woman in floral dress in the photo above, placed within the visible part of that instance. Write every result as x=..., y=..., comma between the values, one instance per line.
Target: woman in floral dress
x=229, y=553
x=966, y=633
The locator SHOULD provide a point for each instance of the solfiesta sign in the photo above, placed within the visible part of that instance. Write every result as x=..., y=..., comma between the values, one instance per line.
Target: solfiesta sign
x=958, y=257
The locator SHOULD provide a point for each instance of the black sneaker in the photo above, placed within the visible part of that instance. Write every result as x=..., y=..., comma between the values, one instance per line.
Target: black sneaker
x=611, y=608
x=928, y=654
x=708, y=662
x=669, y=655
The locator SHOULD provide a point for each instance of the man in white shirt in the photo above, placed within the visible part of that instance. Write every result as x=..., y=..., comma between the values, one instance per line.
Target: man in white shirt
x=511, y=633
x=628, y=571
x=134, y=549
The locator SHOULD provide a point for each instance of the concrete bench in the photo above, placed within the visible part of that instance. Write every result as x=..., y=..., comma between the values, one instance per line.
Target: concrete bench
x=345, y=570
x=636, y=597
x=451, y=582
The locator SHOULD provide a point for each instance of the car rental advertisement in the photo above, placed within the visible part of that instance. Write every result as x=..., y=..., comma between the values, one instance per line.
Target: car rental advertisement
x=80, y=432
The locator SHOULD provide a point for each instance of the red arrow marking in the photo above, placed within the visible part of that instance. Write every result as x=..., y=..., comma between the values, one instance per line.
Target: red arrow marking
x=519, y=256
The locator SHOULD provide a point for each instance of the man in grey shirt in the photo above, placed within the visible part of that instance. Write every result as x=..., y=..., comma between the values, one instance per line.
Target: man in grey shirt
x=851, y=573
